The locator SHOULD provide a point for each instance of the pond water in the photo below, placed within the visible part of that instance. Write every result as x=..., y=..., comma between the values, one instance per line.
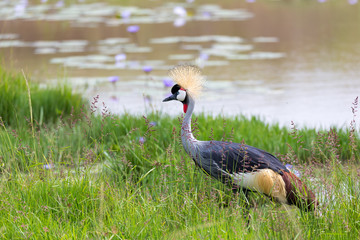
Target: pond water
x=283, y=60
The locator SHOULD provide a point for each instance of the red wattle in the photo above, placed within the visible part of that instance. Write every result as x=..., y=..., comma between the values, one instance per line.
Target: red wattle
x=185, y=107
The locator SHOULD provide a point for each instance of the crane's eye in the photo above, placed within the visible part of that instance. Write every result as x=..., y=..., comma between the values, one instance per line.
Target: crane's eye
x=181, y=95
x=175, y=88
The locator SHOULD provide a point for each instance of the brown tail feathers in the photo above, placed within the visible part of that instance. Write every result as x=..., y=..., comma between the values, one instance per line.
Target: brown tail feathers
x=297, y=193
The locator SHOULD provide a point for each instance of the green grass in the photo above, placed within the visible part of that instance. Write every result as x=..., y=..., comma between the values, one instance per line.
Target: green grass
x=85, y=138
x=48, y=104
x=100, y=176
x=106, y=183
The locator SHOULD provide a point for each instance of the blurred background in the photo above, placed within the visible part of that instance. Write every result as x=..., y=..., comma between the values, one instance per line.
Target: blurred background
x=284, y=60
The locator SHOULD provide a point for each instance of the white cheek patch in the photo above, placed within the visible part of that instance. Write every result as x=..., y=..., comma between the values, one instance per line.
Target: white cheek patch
x=181, y=96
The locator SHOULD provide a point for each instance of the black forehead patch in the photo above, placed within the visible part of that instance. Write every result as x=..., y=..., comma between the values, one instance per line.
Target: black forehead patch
x=175, y=88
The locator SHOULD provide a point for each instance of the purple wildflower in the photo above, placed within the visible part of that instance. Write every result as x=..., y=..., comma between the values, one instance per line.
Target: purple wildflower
x=203, y=56
x=206, y=14
x=147, y=69
x=48, y=166
x=153, y=123
x=352, y=2
x=114, y=99
x=180, y=11
x=113, y=79
x=288, y=166
x=147, y=98
x=168, y=82
x=126, y=14
x=19, y=10
x=21, y=7
x=133, y=28
x=141, y=140
x=59, y=4
x=179, y=22
x=120, y=57
x=293, y=170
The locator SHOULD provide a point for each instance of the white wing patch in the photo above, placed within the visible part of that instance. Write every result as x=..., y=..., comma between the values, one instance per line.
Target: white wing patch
x=246, y=180
x=264, y=181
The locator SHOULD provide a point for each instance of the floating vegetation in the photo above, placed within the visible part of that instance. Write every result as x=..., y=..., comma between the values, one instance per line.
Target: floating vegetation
x=8, y=36
x=87, y=58
x=218, y=13
x=265, y=39
x=45, y=50
x=12, y=43
x=96, y=12
x=255, y=56
x=48, y=47
x=88, y=14
x=181, y=57
x=232, y=47
x=105, y=62
x=113, y=41
x=197, y=39
x=89, y=38
x=136, y=49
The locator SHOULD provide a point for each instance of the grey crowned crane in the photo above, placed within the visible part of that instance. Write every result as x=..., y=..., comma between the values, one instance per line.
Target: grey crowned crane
x=243, y=167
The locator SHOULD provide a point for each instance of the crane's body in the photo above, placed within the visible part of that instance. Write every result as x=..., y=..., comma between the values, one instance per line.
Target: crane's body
x=240, y=165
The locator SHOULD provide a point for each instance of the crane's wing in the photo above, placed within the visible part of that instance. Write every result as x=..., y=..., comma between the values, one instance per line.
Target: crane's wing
x=225, y=157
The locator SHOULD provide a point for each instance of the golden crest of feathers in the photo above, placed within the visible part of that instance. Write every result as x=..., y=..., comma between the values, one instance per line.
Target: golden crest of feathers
x=188, y=77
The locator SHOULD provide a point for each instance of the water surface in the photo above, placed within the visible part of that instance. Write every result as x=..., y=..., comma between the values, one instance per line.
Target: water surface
x=283, y=60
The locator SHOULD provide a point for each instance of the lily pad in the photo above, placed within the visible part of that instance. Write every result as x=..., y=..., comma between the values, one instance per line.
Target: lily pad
x=13, y=43
x=113, y=41
x=165, y=40
x=45, y=50
x=197, y=39
x=181, y=57
x=191, y=47
x=8, y=36
x=267, y=55
x=218, y=13
x=265, y=39
x=137, y=49
x=45, y=44
x=232, y=47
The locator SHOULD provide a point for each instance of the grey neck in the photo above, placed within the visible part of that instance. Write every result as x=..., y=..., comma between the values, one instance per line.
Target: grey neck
x=187, y=138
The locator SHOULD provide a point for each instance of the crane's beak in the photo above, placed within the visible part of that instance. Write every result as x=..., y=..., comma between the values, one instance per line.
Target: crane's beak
x=172, y=97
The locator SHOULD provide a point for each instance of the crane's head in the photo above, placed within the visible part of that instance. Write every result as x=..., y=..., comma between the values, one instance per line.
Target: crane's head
x=178, y=93
x=189, y=82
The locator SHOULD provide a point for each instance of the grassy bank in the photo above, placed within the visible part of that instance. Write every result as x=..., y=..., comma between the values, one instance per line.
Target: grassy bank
x=47, y=104
x=128, y=177
x=88, y=137
x=100, y=176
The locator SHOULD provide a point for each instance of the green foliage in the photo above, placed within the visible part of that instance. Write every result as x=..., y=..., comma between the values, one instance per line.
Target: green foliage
x=81, y=138
x=128, y=177
x=100, y=176
x=48, y=104
x=151, y=190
